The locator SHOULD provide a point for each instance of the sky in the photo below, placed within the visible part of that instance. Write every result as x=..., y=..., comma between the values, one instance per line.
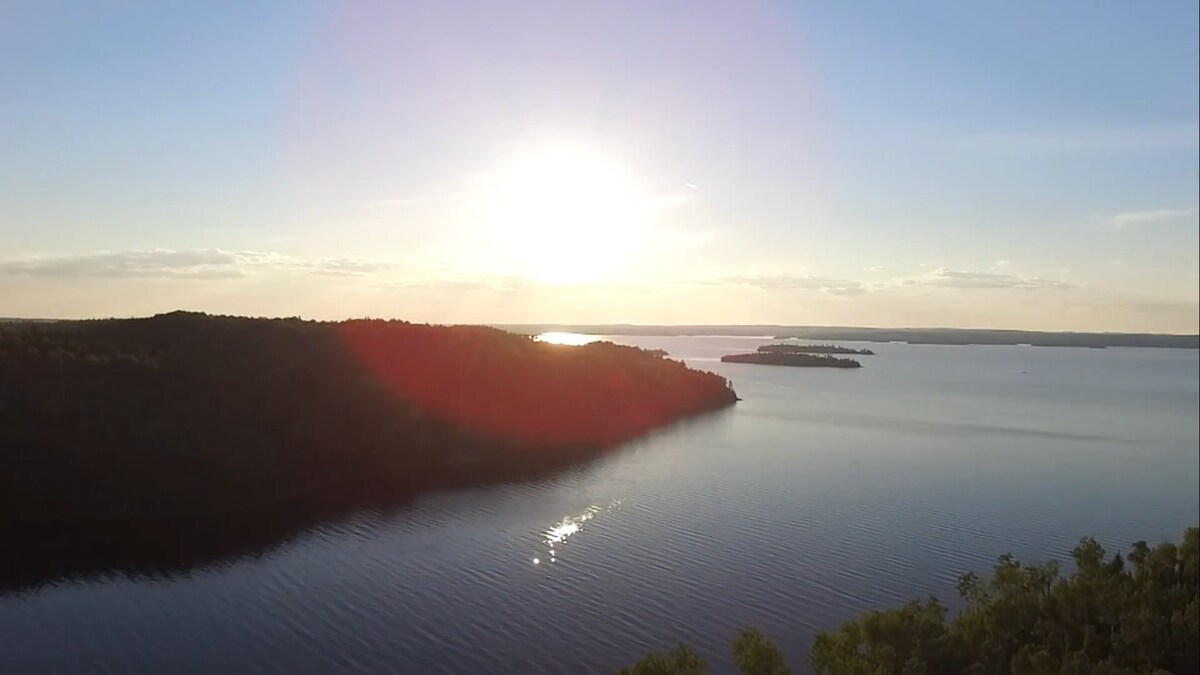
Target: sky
x=1012, y=164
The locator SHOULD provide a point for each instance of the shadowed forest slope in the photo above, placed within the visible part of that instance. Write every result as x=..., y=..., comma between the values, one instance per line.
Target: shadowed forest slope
x=187, y=414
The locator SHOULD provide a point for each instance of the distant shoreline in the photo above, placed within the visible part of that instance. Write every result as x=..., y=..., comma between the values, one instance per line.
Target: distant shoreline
x=932, y=336
x=929, y=336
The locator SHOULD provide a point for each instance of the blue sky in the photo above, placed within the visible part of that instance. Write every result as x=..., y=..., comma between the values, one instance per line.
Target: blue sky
x=992, y=164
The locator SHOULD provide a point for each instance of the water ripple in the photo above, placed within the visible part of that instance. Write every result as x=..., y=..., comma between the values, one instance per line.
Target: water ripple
x=815, y=499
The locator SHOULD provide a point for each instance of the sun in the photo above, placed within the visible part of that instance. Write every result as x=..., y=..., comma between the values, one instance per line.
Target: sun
x=566, y=213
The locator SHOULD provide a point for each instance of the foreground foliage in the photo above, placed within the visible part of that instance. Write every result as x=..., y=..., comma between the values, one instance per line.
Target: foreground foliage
x=1134, y=615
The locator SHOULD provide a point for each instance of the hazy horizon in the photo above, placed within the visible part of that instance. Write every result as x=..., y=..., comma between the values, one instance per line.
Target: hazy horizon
x=584, y=327
x=999, y=165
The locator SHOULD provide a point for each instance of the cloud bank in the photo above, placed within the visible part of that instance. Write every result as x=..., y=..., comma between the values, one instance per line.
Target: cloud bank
x=1152, y=217
x=203, y=264
x=808, y=282
x=163, y=264
x=963, y=279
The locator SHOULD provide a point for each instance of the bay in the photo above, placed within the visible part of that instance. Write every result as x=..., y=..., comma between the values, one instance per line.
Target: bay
x=823, y=493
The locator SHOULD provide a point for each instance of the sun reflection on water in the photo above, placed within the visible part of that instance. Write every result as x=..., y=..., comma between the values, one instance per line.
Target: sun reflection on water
x=556, y=536
x=570, y=339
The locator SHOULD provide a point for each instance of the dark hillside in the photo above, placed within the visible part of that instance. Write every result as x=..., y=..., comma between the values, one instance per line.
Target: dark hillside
x=187, y=414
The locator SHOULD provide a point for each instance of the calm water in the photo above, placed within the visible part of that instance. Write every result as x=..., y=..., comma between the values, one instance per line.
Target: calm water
x=823, y=493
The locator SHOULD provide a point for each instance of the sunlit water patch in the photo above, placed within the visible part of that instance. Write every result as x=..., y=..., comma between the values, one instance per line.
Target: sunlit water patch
x=556, y=536
x=571, y=339
x=814, y=499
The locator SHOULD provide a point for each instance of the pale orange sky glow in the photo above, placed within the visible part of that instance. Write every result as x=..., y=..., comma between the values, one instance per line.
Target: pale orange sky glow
x=710, y=163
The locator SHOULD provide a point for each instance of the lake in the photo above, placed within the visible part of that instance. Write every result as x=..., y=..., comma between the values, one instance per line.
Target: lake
x=823, y=493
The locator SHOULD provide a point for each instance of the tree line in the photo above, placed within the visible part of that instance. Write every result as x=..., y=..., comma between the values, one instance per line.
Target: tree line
x=187, y=414
x=1137, y=614
x=814, y=349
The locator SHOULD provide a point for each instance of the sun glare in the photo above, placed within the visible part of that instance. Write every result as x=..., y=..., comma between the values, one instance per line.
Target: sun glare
x=570, y=339
x=567, y=214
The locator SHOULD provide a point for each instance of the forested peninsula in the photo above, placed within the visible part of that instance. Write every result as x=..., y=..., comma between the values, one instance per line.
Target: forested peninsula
x=185, y=414
x=814, y=349
x=790, y=358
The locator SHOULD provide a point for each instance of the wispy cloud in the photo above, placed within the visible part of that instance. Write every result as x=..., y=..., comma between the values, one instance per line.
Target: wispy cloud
x=1141, y=305
x=941, y=277
x=202, y=264
x=1163, y=306
x=948, y=278
x=1120, y=139
x=1151, y=217
x=806, y=282
x=350, y=267
x=487, y=283
x=209, y=263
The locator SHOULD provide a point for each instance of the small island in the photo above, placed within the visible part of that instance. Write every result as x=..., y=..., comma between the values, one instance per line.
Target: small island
x=814, y=349
x=793, y=359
